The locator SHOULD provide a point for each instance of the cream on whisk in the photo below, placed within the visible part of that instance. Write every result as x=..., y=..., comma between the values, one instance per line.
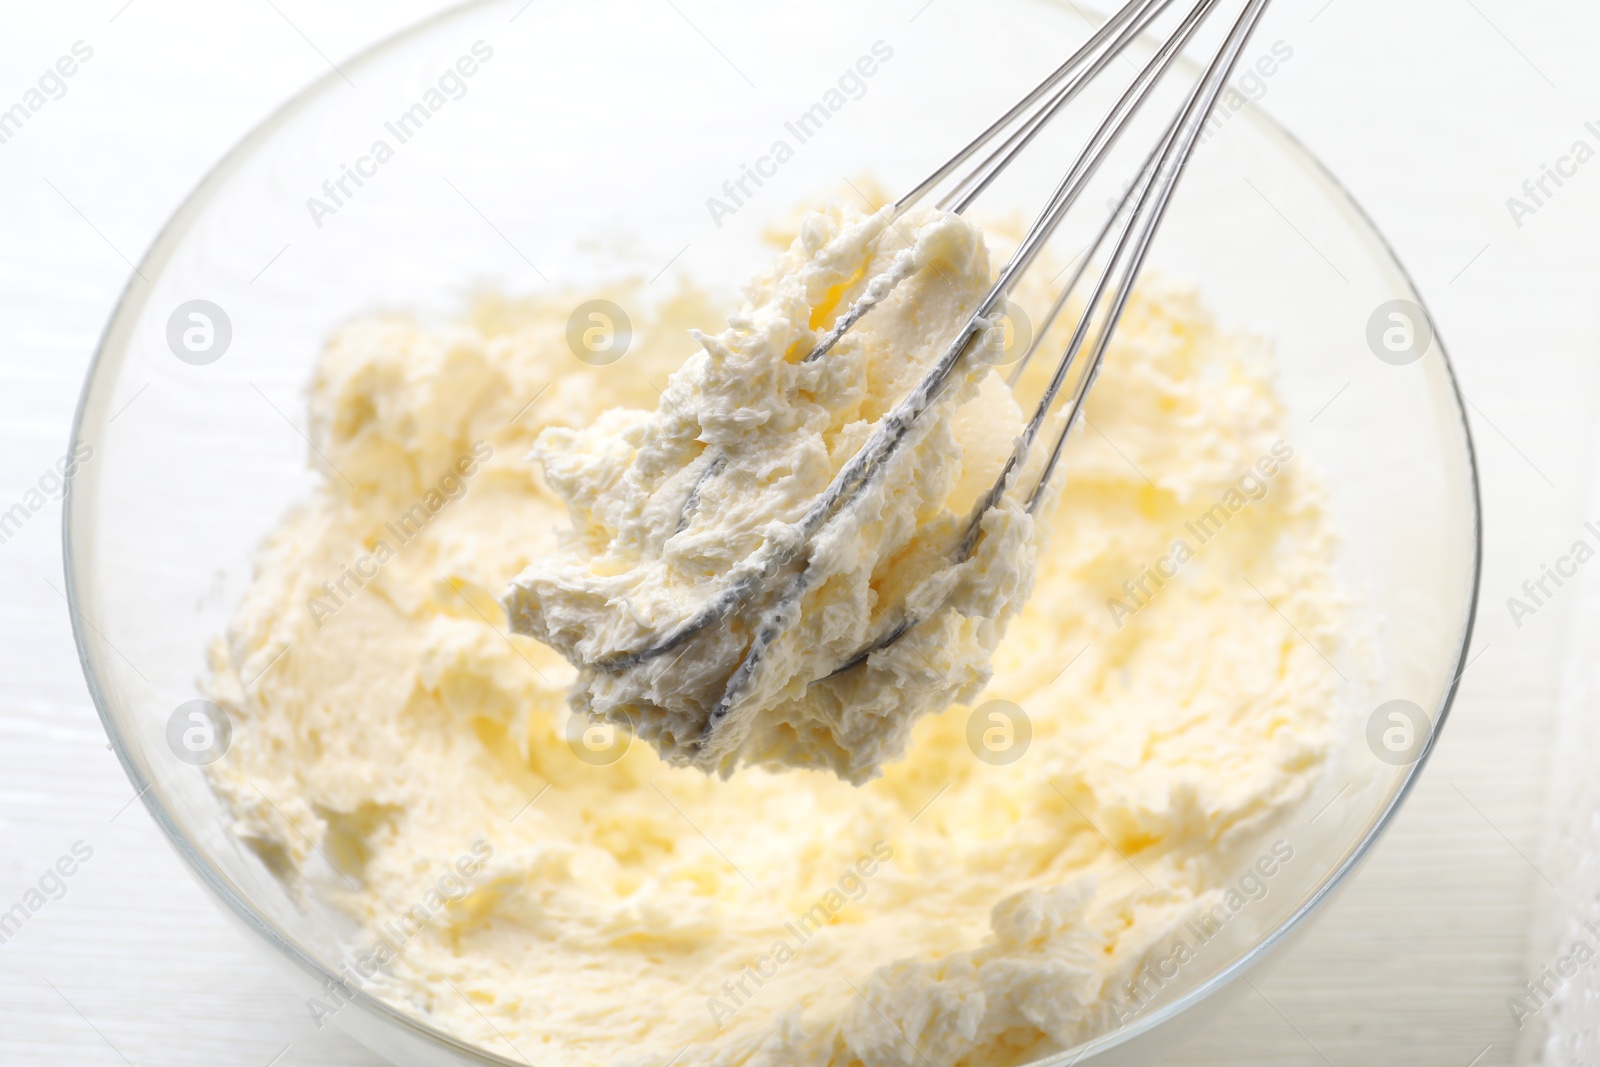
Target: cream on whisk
x=670, y=506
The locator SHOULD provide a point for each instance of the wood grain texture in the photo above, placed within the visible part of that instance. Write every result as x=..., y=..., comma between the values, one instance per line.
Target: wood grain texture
x=1433, y=112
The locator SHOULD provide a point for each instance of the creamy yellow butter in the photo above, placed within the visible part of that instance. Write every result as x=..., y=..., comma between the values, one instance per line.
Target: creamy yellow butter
x=990, y=897
x=708, y=492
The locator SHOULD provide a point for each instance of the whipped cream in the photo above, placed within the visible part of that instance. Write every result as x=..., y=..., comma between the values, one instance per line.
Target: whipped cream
x=672, y=507
x=626, y=911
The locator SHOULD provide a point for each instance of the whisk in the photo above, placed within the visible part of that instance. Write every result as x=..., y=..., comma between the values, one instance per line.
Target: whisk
x=1128, y=231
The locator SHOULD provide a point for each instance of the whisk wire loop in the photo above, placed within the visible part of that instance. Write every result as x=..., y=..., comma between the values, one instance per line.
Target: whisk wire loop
x=1134, y=221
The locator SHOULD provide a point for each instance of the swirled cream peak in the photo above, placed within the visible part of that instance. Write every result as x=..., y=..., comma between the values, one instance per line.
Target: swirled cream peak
x=673, y=506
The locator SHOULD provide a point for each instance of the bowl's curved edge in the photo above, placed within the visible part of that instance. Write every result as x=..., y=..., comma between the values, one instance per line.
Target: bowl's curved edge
x=128, y=301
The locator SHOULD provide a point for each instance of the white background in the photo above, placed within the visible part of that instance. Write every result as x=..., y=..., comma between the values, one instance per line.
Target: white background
x=1433, y=112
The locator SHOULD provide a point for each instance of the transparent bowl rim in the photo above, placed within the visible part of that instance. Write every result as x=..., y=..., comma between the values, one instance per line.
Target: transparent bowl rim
x=209, y=875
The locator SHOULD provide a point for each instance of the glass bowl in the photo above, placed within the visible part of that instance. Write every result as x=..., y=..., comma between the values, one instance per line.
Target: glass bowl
x=575, y=143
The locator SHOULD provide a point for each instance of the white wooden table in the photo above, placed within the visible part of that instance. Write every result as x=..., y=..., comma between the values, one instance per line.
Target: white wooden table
x=1434, y=112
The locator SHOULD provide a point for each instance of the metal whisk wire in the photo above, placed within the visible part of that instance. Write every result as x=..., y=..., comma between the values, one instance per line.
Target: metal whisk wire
x=1134, y=222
